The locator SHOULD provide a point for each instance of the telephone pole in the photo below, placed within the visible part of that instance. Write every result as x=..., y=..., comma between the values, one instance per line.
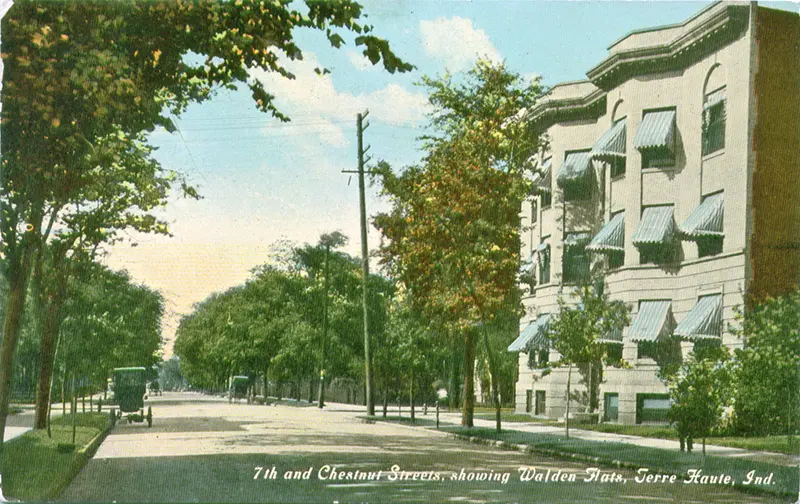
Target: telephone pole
x=361, y=126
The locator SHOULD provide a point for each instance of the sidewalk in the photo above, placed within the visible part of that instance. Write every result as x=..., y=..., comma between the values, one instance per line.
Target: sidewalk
x=19, y=424
x=605, y=437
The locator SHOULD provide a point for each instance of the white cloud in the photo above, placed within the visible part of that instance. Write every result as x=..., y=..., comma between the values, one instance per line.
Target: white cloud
x=311, y=96
x=456, y=43
x=359, y=61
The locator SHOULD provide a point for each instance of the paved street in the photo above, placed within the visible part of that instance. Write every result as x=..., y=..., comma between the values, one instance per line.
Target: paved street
x=204, y=449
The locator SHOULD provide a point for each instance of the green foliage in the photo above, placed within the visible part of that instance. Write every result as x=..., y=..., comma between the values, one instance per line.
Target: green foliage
x=699, y=393
x=273, y=323
x=768, y=367
x=109, y=321
x=577, y=331
x=452, y=234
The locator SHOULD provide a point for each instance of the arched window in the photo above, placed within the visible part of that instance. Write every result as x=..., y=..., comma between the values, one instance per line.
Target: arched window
x=713, y=137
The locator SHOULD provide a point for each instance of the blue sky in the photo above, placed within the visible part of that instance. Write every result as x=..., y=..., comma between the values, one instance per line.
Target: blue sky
x=264, y=181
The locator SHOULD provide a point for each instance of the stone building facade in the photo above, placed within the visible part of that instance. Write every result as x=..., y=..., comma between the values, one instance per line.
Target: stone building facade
x=674, y=166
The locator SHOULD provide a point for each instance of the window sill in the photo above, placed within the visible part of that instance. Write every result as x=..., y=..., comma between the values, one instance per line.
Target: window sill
x=659, y=169
x=712, y=155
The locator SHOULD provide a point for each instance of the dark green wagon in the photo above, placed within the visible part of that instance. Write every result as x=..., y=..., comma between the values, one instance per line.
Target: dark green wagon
x=238, y=388
x=130, y=387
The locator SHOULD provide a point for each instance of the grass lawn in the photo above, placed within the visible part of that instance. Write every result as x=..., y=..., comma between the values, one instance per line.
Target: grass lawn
x=778, y=444
x=510, y=416
x=418, y=420
x=36, y=470
x=785, y=478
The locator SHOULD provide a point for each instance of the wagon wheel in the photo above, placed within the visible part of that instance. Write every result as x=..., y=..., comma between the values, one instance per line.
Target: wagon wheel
x=149, y=416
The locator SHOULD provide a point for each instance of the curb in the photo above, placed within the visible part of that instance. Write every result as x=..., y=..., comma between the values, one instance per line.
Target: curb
x=83, y=456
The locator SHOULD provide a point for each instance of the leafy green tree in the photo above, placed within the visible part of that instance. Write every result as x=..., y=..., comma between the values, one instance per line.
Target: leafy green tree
x=767, y=399
x=577, y=333
x=76, y=72
x=699, y=393
x=452, y=235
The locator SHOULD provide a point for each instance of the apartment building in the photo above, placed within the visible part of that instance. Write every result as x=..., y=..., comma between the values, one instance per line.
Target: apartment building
x=674, y=167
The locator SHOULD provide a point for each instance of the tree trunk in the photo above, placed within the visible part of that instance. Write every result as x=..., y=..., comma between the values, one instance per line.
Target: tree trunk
x=385, y=402
x=453, y=393
x=468, y=409
x=18, y=285
x=494, y=375
x=411, y=397
x=311, y=389
x=569, y=383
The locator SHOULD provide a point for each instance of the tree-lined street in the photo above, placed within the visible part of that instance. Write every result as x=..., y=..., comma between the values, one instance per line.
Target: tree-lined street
x=202, y=448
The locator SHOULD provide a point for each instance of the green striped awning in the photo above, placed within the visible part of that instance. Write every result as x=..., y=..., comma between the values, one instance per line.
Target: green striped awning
x=576, y=168
x=714, y=98
x=703, y=321
x=656, y=226
x=543, y=179
x=526, y=265
x=706, y=219
x=612, y=143
x=656, y=131
x=612, y=237
x=573, y=239
x=615, y=336
x=534, y=335
x=652, y=322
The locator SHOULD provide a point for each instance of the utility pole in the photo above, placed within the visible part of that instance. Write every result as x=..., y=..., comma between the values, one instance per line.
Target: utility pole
x=321, y=398
x=361, y=126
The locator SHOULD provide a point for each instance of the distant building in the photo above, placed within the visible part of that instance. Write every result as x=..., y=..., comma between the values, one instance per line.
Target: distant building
x=675, y=165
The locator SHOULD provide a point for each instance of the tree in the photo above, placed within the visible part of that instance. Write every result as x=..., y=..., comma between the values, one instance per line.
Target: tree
x=127, y=62
x=767, y=399
x=699, y=393
x=577, y=333
x=452, y=235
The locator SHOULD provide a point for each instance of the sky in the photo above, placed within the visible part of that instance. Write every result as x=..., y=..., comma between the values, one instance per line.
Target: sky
x=265, y=183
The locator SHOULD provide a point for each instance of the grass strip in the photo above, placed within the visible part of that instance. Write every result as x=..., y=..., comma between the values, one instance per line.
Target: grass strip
x=37, y=470
x=784, y=480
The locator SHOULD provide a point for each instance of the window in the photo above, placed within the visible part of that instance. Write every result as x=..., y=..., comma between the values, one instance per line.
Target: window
x=709, y=246
x=544, y=263
x=613, y=353
x=656, y=254
x=652, y=408
x=616, y=260
x=528, y=401
x=657, y=158
x=647, y=350
x=714, y=121
x=611, y=407
x=547, y=199
x=543, y=357
x=576, y=257
x=541, y=402
x=617, y=167
x=534, y=211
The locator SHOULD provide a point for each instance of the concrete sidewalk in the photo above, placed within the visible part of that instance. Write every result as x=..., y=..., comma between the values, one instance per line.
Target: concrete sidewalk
x=606, y=437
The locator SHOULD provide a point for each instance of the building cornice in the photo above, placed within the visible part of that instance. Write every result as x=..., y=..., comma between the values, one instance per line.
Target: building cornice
x=637, y=54
x=549, y=111
x=700, y=35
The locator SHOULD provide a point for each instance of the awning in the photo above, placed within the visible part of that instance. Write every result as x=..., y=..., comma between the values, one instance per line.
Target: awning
x=706, y=219
x=612, y=143
x=703, y=321
x=543, y=179
x=526, y=266
x=714, y=98
x=656, y=226
x=652, y=322
x=576, y=168
x=656, y=131
x=533, y=336
x=573, y=239
x=612, y=237
x=615, y=336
